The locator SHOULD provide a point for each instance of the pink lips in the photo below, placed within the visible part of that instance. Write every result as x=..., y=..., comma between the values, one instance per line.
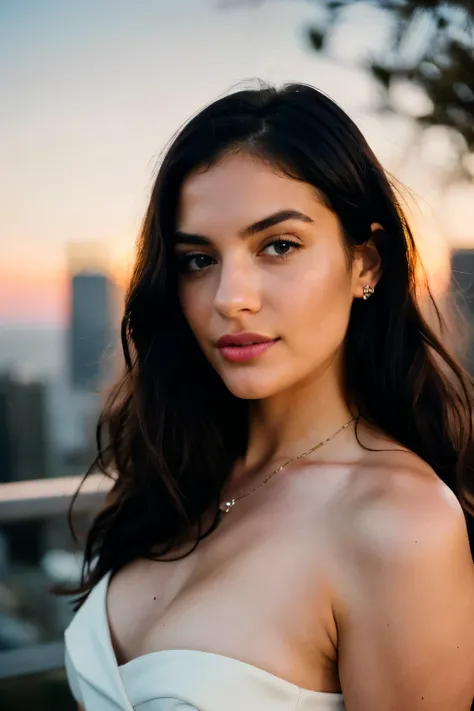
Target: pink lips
x=244, y=346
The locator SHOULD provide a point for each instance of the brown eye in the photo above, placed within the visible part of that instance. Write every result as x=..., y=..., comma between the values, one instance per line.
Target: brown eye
x=282, y=247
x=194, y=262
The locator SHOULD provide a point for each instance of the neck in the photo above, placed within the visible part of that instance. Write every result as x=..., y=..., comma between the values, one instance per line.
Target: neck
x=286, y=424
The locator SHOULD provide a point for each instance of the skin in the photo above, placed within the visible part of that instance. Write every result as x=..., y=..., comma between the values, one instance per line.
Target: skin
x=350, y=570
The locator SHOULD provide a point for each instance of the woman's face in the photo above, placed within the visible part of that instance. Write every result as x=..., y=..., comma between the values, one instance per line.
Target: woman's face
x=260, y=254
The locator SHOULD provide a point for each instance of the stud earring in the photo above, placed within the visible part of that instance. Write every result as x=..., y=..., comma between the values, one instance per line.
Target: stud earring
x=368, y=291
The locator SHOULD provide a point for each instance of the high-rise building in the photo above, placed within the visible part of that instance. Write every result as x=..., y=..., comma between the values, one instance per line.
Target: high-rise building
x=24, y=439
x=90, y=328
x=462, y=286
x=93, y=320
x=24, y=455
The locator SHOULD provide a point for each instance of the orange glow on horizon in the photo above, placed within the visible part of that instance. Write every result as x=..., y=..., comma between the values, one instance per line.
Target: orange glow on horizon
x=30, y=297
x=39, y=298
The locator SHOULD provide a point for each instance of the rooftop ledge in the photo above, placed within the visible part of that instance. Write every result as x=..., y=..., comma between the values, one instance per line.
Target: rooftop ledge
x=41, y=498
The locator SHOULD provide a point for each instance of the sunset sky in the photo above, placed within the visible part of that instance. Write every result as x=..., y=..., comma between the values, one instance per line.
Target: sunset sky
x=92, y=92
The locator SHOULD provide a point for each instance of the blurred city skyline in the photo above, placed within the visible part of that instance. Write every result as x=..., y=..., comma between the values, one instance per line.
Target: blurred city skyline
x=94, y=91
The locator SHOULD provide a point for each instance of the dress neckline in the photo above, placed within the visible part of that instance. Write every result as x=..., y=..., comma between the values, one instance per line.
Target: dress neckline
x=222, y=658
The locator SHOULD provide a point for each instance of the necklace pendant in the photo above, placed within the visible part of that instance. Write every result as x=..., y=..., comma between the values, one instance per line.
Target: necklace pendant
x=226, y=506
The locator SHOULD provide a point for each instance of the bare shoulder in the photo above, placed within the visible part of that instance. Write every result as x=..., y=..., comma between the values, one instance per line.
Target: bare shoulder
x=405, y=606
x=398, y=504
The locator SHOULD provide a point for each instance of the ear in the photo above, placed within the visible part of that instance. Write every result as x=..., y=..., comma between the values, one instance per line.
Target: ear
x=367, y=264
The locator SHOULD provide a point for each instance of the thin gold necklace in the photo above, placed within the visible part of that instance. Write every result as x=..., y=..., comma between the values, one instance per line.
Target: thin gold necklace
x=226, y=506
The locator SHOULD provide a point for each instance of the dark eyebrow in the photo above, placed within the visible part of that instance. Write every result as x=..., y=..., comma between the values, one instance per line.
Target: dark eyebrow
x=259, y=226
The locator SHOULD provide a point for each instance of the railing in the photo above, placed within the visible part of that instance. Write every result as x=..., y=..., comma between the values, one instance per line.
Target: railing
x=40, y=499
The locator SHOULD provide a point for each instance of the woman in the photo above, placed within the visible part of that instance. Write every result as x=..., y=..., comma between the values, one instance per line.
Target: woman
x=291, y=445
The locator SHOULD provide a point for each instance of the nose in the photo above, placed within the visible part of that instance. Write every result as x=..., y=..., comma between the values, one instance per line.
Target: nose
x=239, y=288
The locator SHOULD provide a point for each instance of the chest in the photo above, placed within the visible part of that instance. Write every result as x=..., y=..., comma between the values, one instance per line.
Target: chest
x=258, y=589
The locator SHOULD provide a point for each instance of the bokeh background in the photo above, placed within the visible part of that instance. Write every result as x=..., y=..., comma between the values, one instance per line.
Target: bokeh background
x=92, y=92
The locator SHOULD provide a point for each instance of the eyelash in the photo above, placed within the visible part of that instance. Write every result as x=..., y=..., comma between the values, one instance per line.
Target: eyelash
x=185, y=259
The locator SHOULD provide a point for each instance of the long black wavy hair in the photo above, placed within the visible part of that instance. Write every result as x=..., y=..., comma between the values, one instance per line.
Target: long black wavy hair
x=170, y=430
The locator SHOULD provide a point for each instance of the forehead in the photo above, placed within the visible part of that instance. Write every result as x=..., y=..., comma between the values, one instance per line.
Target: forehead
x=239, y=190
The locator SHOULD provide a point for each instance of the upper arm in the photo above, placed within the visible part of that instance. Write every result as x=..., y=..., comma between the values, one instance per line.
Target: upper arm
x=406, y=621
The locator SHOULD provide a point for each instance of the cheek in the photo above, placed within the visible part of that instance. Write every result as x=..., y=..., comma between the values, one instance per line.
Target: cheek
x=194, y=306
x=318, y=309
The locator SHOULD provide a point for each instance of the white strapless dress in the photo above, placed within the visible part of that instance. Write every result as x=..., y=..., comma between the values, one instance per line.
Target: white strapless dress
x=171, y=680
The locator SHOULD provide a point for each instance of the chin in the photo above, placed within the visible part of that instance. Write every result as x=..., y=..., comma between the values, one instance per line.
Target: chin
x=252, y=386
